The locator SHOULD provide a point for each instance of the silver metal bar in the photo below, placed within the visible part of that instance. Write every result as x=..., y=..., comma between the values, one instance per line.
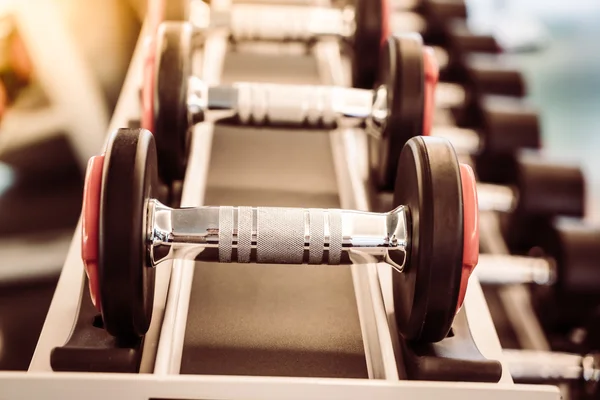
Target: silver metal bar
x=493, y=197
x=262, y=103
x=292, y=22
x=283, y=22
x=546, y=366
x=448, y=94
x=406, y=22
x=500, y=269
x=275, y=235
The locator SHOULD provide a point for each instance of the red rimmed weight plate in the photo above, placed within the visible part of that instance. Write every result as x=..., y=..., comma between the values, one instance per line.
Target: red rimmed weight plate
x=89, y=225
x=156, y=10
x=471, y=229
x=429, y=185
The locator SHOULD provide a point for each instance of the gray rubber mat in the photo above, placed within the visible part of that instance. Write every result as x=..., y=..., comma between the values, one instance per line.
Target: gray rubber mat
x=272, y=320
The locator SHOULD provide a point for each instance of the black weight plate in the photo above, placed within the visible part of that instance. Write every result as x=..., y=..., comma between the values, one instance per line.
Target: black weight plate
x=549, y=187
x=172, y=125
x=177, y=10
x=401, y=73
x=426, y=293
x=508, y=125
x=126, y=281
x=575, y=247
x=371, y=28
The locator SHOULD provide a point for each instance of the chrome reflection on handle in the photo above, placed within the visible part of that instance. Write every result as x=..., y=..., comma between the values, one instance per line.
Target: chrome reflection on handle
x=497, y=269
x=544, y=366
x=287, y=22
x=496, y=197
x=264, y=103
x=275, y=235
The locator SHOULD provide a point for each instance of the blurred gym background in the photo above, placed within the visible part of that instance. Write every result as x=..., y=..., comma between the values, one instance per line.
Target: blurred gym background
x=71, y=58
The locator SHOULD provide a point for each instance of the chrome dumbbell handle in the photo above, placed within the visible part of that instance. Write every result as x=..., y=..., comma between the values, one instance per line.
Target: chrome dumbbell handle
x=449, y=94
x=531, y=365
x=506, y=269
x=406, y=21
x=263, y=103
x=275, y=235
x=299, y=23
x=496, y=197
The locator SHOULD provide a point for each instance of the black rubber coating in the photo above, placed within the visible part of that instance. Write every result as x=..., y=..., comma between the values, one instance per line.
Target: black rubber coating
x=429, y=184
x=92, y=349
x=444, y=10
x=462, y=40
x=126, y=281
x=177, y=10
x=366, y=44
x=438, y=14
x=575, y=246
x=509, y=125
x=172, y=122
x=454, y=359
x=490, y=74
x=402, y=74
x=548, y=188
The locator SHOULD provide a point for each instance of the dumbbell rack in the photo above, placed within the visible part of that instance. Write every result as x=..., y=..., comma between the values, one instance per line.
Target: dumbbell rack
x=201, y=305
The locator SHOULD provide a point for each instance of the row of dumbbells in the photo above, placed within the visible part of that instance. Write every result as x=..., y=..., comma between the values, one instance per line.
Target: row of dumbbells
x=544, y=189
x=398, y=109
x=525, y=134
x=406, y=73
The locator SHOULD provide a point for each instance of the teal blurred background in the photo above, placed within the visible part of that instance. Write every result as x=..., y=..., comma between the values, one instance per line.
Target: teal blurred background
x=564, y=80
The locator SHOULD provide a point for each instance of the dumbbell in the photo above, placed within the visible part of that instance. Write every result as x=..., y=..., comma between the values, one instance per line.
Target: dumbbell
x=575, y=245
x=533, y=366
x=364, y=25
x=566, y=258
x=503, y=127
x=400, y=108
x=544, y=188
x=481, y=75
x=180, y=99
x=127, y=232
x=541, y=189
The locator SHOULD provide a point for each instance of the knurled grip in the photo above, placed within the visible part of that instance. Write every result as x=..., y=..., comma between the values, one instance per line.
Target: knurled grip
x=287, y=104
x=244, y=234
x=225, y=233
x=298, y=23
x=280, y=235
